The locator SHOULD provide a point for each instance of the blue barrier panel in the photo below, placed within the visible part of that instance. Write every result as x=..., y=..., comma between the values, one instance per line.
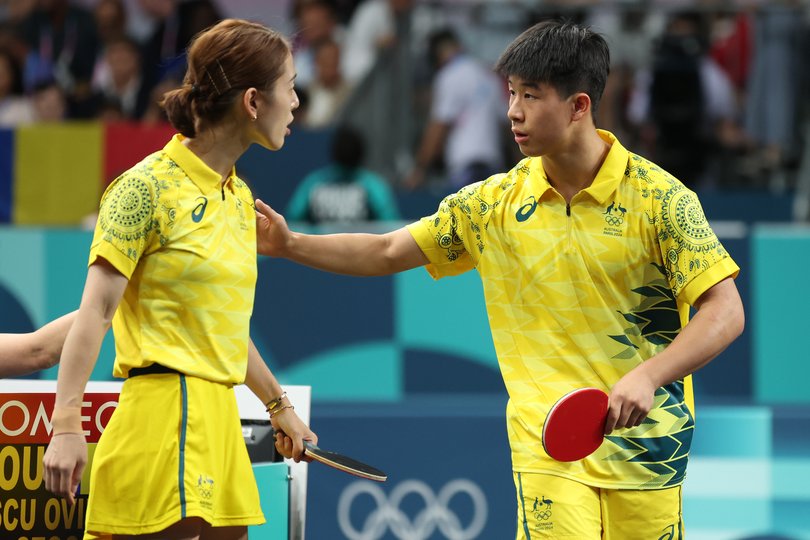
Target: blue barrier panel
x=6, y=173
x=727, y=378
x=334, y=333
x=274, y=487
x=749, y=474
x=781, y=320
x=448, y=466
x=452, y=454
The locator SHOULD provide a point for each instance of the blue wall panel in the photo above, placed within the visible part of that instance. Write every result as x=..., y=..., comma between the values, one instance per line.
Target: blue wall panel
x=781, y=320
x=728, y=377
x=6, y=173
x=448, y=466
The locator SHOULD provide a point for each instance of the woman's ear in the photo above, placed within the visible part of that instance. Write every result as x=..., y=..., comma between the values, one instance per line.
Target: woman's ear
x=249, y=102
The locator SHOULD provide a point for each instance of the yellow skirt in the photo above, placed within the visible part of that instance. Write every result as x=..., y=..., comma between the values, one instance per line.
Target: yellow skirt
x=172, y=449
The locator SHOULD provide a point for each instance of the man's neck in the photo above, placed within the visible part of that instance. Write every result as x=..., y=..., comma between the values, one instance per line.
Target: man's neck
x=576, y=167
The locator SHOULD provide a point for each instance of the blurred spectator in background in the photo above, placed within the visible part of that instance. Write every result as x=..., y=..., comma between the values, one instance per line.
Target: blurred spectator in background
x=684, y=103
x=63, y=46
x=15, y=108
x=344, y=191
x=631, y=31
x=121, y=79
x=317, y=23
x=110, y=110
x=732, y=46
x=14, y=11
x=373, y=26
x=111, y=20
x=50, y=102
x=154, y=113
x=175, y=23
x=329, y=91
x=773, y=98
x=467, y=117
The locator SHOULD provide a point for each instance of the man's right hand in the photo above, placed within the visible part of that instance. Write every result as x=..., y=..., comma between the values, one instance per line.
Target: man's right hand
x=272, y=232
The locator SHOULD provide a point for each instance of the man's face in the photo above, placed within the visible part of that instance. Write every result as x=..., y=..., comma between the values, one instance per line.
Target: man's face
x=540, y=117
x=124, y=62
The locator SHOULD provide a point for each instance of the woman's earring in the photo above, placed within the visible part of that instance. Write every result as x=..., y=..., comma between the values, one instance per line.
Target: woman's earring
x=254, y=117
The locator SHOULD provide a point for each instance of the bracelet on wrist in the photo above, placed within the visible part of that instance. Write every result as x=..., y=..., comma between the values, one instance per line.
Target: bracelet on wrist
x=274, y=403
x=280, y=409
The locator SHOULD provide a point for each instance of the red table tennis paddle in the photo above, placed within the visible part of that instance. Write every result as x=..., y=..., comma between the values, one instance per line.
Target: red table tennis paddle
x=575, y=425
x=344, y=463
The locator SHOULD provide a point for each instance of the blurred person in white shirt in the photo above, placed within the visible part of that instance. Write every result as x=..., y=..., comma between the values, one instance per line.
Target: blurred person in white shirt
x=372, y=27
x=466, y=123
x=329, y=91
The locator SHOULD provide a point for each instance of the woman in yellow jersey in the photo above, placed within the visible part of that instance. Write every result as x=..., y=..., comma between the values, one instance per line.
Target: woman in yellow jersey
x=173, y=269
x=590, y=257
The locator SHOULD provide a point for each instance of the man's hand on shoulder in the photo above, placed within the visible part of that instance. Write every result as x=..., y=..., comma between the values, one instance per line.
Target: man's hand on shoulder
x=272, y=233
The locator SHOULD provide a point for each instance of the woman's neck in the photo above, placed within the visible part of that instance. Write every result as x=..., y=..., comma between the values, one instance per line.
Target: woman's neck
x=219, y=148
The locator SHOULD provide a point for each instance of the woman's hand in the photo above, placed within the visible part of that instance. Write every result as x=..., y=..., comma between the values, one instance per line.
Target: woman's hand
x=290, y=434
x=64, y=462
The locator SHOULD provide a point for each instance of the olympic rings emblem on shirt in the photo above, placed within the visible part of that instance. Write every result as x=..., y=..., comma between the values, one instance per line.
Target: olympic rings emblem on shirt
x=614, y=220
x=435, y=513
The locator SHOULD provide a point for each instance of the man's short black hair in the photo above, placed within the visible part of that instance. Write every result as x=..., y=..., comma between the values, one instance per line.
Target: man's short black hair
x=569, y=57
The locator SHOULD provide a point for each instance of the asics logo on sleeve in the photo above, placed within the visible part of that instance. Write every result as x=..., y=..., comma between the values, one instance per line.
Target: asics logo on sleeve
x=199, y=210
x=526, y=211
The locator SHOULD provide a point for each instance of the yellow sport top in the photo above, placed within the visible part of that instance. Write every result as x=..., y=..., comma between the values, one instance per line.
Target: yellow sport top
x=187, y=244
x=577, y=295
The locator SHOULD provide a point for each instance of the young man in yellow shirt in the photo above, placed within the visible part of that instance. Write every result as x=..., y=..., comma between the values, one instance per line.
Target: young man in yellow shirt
x=591, y=257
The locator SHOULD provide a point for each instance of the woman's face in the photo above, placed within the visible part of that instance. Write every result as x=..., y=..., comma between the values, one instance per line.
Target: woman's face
x=275, y=109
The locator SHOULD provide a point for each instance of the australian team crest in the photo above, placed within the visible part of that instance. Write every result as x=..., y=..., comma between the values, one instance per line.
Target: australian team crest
x=542, y=513
x=614, y=217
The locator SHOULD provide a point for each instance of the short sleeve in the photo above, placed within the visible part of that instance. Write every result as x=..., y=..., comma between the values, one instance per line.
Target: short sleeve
x=126, y=225
x=453, y=238
x=694, y=258
x=448, y=99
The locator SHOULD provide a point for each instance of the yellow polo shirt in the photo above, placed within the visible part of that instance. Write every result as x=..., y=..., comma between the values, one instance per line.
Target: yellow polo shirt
x=578, y=295
x=187, y=244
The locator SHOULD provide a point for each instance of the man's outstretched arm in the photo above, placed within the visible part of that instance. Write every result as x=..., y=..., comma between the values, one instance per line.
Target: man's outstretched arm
x=21, y=354
x=356, y=254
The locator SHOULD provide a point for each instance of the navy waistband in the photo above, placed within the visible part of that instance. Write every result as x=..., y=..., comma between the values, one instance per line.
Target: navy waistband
x=153, y=369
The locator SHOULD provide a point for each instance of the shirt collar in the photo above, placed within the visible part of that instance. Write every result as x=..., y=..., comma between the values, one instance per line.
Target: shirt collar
x=612, y=170
x=607, y=179
x=203, y=176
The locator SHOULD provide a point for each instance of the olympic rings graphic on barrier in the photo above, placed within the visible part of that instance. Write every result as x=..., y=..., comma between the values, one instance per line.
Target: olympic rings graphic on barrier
x=435, y=513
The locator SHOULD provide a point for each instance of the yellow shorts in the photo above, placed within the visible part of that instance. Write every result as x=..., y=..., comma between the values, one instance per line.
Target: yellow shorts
x=555, y=507
x=172, y=449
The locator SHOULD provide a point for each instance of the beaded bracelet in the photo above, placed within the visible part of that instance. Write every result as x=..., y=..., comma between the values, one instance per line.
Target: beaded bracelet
x=273, y=403
x=275, y=412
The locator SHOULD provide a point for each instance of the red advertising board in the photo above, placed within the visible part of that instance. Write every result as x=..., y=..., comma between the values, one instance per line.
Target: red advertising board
x=27, y=510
